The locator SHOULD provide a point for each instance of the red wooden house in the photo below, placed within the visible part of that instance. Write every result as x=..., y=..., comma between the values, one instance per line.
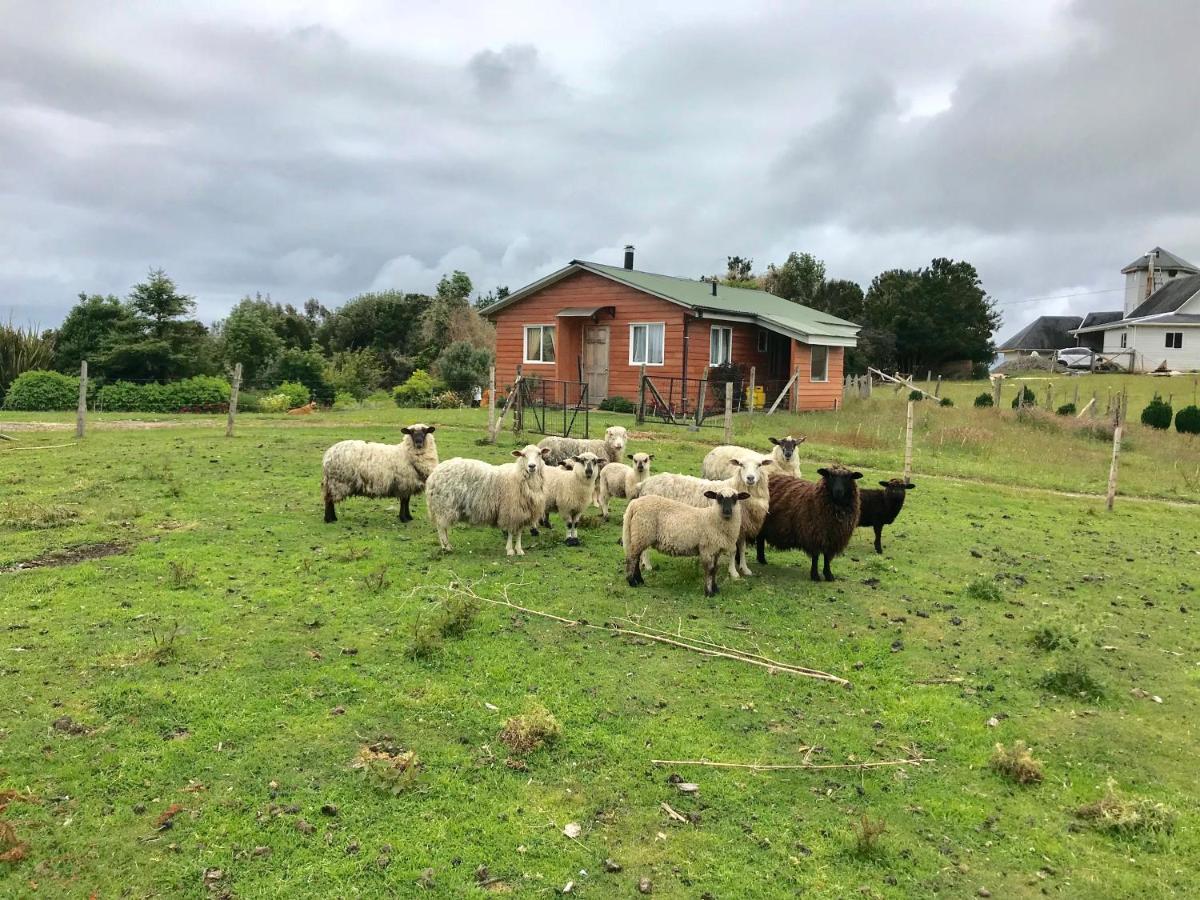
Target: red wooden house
x=600, y=324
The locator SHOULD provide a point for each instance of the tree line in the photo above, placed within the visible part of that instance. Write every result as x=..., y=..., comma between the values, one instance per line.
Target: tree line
x=912, y=319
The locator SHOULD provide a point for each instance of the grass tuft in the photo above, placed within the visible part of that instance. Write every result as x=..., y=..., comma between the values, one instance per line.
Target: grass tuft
x=1073, y=680
x=867, y=832
x=534, y=728
x=23, y=515
x=181, y=574
x=1053, y=637
x=1017, y=764
x=1121, y=814
x=985, y=590
x=451, y=619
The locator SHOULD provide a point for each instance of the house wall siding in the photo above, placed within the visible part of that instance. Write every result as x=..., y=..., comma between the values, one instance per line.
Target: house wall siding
x=1149, y=343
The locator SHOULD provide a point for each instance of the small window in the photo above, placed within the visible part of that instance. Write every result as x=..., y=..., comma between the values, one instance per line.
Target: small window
x=1124, y=340
x=1174, y=340
x=539, y=343
x=720, y=346
x=819, y=364
x=762, y=340
x=646, y=344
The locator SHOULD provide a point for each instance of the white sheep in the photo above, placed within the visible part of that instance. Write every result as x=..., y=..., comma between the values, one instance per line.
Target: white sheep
x=748, y=476
x=367, y=469
x=716, y=463
x=563, y=448
x=620, y=480
x=510, y=496
x=570, y=488
x=680, y=529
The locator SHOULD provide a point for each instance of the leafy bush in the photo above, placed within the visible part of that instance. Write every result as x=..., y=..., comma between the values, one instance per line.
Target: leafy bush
x=1067, y=409
x=916, y=396
x=446, y=400
x=307, y=368
x=204, y=393
x=273, y=403
x=1157, y=413
x=355, y=372
x=344, y=400
x=617, y=404
x=417, y=390
x=985, y=400
x=250, y=401
x=42, y=391
x=1024, y=397
x=295, y=393
x=946, y=401
x=1187, y=420
x=23, y=350
x=463, y=367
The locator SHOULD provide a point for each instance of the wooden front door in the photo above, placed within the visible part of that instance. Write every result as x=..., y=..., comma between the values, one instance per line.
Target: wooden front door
x=595, y=361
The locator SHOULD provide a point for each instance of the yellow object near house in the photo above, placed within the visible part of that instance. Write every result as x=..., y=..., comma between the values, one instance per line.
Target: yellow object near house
x=760, y=396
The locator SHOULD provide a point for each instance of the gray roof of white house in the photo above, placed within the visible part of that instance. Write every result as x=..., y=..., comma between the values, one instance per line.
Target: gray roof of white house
x=1165, y=260
x=1044, y=333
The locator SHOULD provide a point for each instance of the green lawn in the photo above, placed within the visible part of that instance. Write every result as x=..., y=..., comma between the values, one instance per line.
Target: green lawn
x=235, y=654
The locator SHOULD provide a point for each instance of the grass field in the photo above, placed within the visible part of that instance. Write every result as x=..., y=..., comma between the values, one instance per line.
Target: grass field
x=226, y=657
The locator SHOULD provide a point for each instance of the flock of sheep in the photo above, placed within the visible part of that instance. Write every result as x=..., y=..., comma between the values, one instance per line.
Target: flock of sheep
x=743, y=497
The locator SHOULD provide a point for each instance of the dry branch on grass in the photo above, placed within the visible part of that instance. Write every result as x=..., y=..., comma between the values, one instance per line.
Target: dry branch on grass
x=1017, y=764
x=768, y=767
x=650, y=634
x=1122, y=814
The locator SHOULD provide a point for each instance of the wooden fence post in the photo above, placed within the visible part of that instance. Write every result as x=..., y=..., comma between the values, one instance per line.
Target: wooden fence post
x=729, y=412
x=1116, y=457
x=938, y=389
x=1050, y=396
x=641, y=407
x=1095, y=400
x=750, y=403
x=492, y=405
x=996, y=393
x=701, y=395
x=908, y=444
x=233, y=398
x=796, y=390
x=81, y=410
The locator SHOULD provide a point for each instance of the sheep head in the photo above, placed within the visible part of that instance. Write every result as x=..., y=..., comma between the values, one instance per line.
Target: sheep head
x=417, y=433
x=750, y=470
x=616, y=437
x=726, y=500
x=533, y=458
x=839, y=482
x=787, y=445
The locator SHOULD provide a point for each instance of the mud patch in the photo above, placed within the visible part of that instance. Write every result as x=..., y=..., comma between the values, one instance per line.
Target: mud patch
x=68, y=556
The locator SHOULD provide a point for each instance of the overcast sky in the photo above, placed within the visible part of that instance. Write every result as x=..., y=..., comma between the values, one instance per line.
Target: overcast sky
x=327, y=148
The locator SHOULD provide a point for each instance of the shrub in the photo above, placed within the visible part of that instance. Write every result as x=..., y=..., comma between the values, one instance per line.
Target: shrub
x=354, y=372
x=344, y=400
x=618, y=405
x=463, y=367
x=1067, y=409
x=916, y=396
x=1157, y=414
x=946, y=401
x=1024, y=398
x=22, y=349
x=307, y=368
x=250, y=401
x=1017, y=764
x=417, y=390
x=273, y=403
x=532, y=729
x=445, y=400
x=1187, y=420
x=295, y=394
x=985, y=400
x=42, y=391
x=1119, y=814
x=204, y=393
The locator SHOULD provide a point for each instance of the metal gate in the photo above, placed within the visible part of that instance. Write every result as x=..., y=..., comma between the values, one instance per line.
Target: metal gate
x=684, y=401
x=552, y=407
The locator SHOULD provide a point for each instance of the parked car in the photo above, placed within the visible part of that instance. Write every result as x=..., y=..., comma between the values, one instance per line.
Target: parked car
x=1075, y=358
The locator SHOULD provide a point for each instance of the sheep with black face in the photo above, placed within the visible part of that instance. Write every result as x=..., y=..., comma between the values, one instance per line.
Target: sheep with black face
x=881, y=507
x=816, y=517
x=368, y=469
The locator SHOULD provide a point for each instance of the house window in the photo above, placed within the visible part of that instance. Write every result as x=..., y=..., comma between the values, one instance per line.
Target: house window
x=646, y=344
x=720, y=346
x=1124, y=340
x=819, y=364
x=539, y=343
x=1174, y=340
x=762, y=340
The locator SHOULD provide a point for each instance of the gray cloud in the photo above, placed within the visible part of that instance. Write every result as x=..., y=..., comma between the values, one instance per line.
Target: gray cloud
x=326, y=154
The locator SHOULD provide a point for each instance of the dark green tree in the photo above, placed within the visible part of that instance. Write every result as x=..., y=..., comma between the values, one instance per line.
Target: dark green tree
x=463, y=366
x=159, y=301
x=155, y=342
x=247, y=336
x=798, y=279
x=307, y=367
x=88, y=329
x=387, y=323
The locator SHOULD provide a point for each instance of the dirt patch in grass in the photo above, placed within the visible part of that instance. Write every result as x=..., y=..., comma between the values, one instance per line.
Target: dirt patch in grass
x=69, y=556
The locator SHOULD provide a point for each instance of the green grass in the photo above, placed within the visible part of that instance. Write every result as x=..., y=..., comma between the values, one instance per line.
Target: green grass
x=234, y=655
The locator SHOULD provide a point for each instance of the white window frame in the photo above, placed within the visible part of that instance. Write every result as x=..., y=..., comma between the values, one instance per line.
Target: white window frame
x=712, y=363
x=1124, y=340
x=811, y=349
x=648, y=326
x=541, y=344
x=1171, y=345
x=763, y=340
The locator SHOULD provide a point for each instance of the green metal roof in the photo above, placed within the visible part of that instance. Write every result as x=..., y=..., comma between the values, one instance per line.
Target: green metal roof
x=760, y=307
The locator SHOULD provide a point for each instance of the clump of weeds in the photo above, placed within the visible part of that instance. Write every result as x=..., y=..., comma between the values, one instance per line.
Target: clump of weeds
x=534, y=728
x=1119, y=813
x=1017, y=763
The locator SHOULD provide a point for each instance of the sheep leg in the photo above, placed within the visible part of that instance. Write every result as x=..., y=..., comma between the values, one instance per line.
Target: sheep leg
x=814, y=574
x=508, y=548
x=762, y=550
x=602, y=502
x=572, y=526
x=733, y=565
x=828, y=572
x=443, y=536
x=646, y=567
x=878, y=538
x=740, y=556
x=405, y=515
x=710, y=576
x=330, y=511
x=520, y=549
x=633, y=571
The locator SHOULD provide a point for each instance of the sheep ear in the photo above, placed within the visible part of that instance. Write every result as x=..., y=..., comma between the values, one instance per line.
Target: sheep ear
x=711, y=495
x=629, y=456
x=649, y=456
x=545, y=451
x=431, y=429
x=856, y=475
x=801, y=439
x=774, y=441
x=735, y=462
x=822, y=472
x=909, y=487
x=566, y=465
x=767, y=462
x=743, y=495
x=517, y=453
x=885, y=484
x=406, y=430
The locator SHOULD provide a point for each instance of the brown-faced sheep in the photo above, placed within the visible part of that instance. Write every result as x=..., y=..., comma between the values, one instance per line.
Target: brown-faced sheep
x=881, y=508
x=680, y=529
x=365, y=469
x=620, y=480
x=816, y=517
x=570, y=488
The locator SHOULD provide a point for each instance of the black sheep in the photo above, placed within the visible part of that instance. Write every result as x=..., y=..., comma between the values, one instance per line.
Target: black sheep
x=816, y=517
x=879, y=508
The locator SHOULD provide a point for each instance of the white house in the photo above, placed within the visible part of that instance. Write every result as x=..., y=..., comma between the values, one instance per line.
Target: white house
x=1159, y=327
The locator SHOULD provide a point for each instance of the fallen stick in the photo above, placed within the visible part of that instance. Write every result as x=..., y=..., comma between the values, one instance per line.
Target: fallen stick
x=672, y=813
x=727, y=653
x=46, y=447
x=679, y=634
x=777, y=766
x=5, y=437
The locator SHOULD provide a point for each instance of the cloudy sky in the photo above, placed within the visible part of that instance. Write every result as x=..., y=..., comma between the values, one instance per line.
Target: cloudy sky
x=327, y=148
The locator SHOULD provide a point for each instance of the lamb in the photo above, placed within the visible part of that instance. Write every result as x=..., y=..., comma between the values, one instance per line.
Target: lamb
x=748, y=476
x=570, y=488
x=816, y=517
x=620, y=480
x=716, y=463
x=367, y=469
x=510, y=496
x=563, y=448
x=881, y=508
x=680, y=529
